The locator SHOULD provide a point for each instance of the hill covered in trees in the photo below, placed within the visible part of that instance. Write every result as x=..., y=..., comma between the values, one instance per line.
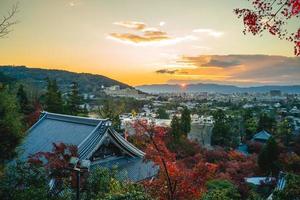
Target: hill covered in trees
x=36, y=77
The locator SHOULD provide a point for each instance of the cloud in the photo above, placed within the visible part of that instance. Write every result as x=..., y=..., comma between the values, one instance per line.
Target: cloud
x=166, y=71
x=146, y=36
x=154, y=33
x=171, y=71
x=137, y=40
x=239, y=69
x=133, y=38
x=71, y=3
x=131, y=24
x=222, y=63
x=74, y=3
x=210, y=32
x=162, y=23
x=212, y=61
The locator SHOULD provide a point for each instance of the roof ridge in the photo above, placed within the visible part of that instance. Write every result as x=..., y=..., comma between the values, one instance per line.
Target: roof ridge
x=263, y=131
x=74, y=119
x=74, y=116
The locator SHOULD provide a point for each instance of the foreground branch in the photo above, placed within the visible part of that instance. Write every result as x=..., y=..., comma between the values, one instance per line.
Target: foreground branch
x=7, y=21
x=171, y=187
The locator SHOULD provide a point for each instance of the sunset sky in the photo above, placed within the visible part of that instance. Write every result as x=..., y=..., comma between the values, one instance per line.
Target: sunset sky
x=147, y=42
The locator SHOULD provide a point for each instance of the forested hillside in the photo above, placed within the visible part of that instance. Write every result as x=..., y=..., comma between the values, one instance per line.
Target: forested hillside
x=37, y=77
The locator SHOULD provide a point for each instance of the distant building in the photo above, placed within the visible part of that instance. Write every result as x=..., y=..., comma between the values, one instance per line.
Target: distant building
x=85, y=106
x=275, y=93
x=163, y=122
x=88, y=96
x=243, y=148
x=277, y=105
x=262, y=136
x=260, y=180
x=95, y=139
x=113, y=88
x=295, y=111
x=246, y=106
x=295, y=122
x=206, y=120
x=115, y=91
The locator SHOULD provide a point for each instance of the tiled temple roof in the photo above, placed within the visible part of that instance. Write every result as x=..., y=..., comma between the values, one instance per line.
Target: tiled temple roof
x=87, y=134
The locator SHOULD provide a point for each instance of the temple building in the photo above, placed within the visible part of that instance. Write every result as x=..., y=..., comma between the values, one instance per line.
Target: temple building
x=96, y=141
x=262, y=136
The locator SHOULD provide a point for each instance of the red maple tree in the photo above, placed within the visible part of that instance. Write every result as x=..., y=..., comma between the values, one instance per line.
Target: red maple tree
x=233, y=166
x=57, y=162
x=272, y=16
x=177, y=179
x=34, y=116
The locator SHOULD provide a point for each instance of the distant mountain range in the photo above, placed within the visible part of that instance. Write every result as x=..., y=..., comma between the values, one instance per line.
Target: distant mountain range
x=226, y=89
x=91, y=83
x=37, y=77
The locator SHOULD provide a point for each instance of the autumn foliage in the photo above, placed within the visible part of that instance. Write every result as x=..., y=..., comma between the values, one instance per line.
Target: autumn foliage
x=186, y=178
x=33, y=117
x=58, y=158
x=175, y=180
x=272, y=16
x=57, y=161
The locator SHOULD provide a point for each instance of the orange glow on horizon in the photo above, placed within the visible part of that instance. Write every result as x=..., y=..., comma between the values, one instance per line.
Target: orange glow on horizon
x=183, y=85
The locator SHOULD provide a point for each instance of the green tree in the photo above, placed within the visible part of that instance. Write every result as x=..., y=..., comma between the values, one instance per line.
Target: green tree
x=249, y=122
x=111, y=110
x=291, y=191
x=102, y=184
x=247, y=114
x=268, y=157
x=253, y=195
x=98, y=183
x=10, y=125
x=23, y=100
x=284, y=132
x=221, y=190
x=175, y=128
x=74, y=100
x=161, y=112
x=54, y=102
x=250, y=127
x=221, y=132
x=26, y=182
x=128, y=191
x=4, y=80
x=84, y=111
x=185, y=121
x=266, y=122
